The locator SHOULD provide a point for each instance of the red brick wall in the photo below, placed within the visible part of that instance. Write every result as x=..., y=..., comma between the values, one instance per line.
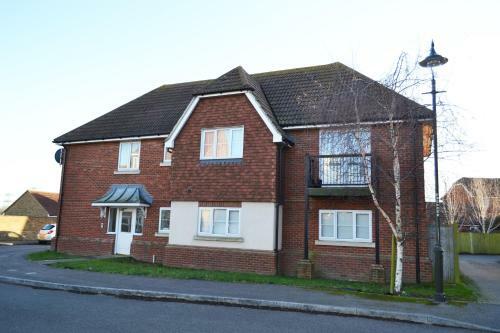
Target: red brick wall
x=89, y=171
x=352, y=262
x=235, y=260
x=252, y=179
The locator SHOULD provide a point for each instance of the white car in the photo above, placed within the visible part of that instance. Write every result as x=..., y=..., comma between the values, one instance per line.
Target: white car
x=47, y=233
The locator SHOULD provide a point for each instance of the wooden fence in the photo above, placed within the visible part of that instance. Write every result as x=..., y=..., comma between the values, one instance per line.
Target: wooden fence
x=479, y=243
x=449, y=243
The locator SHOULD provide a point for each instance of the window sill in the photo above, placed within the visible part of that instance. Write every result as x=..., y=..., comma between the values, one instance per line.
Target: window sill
x=127, y=172
x=219, y=238
x=162, y=234
x=221, y=161
x=344, y=243
x=166, y=163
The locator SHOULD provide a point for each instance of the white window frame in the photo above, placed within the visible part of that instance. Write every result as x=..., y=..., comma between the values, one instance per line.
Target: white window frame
x=164, y=231
x=226, y=234
x=354, y=213
x=109, y=218
x=214, y=145
x=130, y=157
x=134, y=220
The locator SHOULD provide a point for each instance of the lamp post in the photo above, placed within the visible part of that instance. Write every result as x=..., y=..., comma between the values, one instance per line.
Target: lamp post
x=434, y=60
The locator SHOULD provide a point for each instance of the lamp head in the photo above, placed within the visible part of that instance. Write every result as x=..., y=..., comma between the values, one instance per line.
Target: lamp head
x=433, y=59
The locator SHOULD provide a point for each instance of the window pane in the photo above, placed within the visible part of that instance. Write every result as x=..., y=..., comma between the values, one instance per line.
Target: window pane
x=205, y=221
x=344, y=225
x=220, y=215
x=134, y=155
x=345, y=141
x=219, y=221
x=362, y=226
x=208, y=148
x=164, y=219
x=326, y=225
x=126, y=222
x=112, y=220
x=134, y=162
x=237, y=143
x=135, y=148
x=234, y=222
x=222, y=143
x=124, y=156
x=219, y=228
x=139, y=224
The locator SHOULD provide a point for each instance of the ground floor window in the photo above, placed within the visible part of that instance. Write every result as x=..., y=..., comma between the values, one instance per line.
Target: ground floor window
x=139, y=221
x=219, y=221
x=124, y=219
x=164, y=223
x=112, y=220
x=345, y=225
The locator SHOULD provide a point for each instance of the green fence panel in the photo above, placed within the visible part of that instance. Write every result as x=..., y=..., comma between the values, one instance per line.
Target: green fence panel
x=479, y=243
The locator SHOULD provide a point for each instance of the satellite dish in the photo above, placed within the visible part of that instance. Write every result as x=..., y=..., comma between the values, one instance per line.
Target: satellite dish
x=59, y=155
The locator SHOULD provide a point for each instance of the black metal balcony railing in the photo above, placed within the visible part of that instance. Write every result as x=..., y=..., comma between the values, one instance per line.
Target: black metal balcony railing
x=338, y=170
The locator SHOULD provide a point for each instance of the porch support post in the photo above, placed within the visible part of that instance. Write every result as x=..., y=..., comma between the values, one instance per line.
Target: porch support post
x=377, y=214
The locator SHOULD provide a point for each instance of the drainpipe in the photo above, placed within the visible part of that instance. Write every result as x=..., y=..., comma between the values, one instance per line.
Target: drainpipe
x=415, y=199
x=377, y=212
x=279, y=200
x=61, y=184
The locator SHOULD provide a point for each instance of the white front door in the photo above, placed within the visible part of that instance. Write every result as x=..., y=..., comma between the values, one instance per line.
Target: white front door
x=124, y=231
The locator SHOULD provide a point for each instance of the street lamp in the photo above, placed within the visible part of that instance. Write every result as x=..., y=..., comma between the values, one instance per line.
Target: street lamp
x=434, y=60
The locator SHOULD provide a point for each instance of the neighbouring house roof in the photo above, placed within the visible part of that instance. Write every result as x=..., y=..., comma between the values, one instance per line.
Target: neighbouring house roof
x=44, y=204
x=488, y=181
x=294, y=97
x=125, y=195
x=49, y=201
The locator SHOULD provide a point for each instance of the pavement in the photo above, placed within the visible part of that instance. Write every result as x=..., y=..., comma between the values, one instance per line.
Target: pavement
x=484, y=270
x=14, y=265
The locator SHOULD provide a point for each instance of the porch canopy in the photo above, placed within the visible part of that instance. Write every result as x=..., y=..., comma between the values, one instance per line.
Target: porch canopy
x=125, y=195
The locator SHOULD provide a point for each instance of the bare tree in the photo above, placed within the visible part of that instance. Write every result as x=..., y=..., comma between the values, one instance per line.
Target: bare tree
x=354, y=103
x=455, y=204
x=484, y=207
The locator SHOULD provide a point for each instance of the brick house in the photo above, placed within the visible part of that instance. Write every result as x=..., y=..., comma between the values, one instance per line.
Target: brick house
x=219, y=174
x=28, y=214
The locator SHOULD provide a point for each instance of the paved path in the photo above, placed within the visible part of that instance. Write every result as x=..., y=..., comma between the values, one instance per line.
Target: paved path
x=485, y=271
x=33, y=310
x=12, y=263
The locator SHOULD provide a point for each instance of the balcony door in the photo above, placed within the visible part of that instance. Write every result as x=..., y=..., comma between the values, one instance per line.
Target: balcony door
x=341, y=163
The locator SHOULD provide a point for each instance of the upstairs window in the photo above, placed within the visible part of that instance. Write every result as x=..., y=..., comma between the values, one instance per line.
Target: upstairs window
x=221, y=143
x=341, y=162
x=129, y=156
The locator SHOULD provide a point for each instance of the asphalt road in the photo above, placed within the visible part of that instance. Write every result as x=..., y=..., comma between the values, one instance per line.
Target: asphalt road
x=25, y=309
x=485, y=271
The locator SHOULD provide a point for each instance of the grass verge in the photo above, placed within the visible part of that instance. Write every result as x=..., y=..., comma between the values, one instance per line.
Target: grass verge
x=48, y=255
x=457, y=293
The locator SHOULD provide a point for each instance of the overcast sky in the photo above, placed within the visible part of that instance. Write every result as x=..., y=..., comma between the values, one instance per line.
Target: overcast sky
x=63, y=63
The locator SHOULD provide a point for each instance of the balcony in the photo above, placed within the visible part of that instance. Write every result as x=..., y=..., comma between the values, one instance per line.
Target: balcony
x=337, y=175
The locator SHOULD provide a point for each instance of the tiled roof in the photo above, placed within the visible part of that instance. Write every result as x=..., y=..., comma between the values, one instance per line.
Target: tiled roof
x=48, y=200
x=294, y=97
x=234, y=80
